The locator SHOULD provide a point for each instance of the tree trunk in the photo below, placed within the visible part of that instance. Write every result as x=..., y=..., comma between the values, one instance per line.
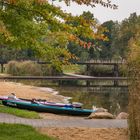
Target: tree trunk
x=134, y=111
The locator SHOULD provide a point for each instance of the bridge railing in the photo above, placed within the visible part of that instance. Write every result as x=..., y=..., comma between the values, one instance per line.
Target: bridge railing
x=89, y=81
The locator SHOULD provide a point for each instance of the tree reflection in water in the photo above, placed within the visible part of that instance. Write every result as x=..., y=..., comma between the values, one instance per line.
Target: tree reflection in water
x=113, y=99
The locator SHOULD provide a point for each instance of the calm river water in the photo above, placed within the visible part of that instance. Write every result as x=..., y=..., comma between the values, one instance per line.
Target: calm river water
x=113, y=99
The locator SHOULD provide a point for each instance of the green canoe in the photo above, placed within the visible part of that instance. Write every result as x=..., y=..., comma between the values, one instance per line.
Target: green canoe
x=46, y=108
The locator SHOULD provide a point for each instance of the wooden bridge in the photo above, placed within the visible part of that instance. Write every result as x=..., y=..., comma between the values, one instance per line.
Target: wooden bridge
x=89, y=79
x=2, y=63
x=101, y=62
x=114, y=63
x=91, y=62
x=88, y=63
x=60, y=79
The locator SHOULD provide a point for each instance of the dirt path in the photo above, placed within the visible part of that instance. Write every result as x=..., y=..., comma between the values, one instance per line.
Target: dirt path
x=73, y=122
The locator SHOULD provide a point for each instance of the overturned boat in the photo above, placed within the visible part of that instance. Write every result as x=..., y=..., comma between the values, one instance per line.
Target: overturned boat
x=34, y=106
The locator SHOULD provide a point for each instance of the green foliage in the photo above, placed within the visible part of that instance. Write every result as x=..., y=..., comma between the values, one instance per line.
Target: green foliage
x=71, y=68
x=118, y=35
x=20, y=132
x=101, y=71
x=30, y=68
x=24, y=68
x=87, y=48
x=11, y=68
x=115, y=43
x=43, y=28
x=105, y=71
x=133, y=66
x=123, y=33
x=106, y=52
x=93, y=3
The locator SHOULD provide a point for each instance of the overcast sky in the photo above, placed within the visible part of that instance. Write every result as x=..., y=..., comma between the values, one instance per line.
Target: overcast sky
x=126, y=7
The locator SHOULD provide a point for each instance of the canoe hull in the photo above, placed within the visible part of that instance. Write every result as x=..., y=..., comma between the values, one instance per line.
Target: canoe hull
x=45, y=108
x=46, y=102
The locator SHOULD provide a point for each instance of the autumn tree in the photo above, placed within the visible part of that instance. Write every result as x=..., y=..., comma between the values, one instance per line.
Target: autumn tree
x=129, y=38
x=122, y=33
x=133, y=65
x=105, y=45
x=43, y=28
x=93, y=3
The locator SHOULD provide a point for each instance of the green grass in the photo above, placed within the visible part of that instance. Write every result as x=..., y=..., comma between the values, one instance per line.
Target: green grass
x=19, y=112
x=72, y=68
x=20, y=132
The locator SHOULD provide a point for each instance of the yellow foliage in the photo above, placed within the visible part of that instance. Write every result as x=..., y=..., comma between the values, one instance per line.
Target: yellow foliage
x=133, y=66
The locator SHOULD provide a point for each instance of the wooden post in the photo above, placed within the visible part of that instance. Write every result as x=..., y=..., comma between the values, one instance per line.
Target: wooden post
x=59, y=83
x=88, y=69
x=88, y=73
x=2, y=67
x=87, y=83
x=116, y=74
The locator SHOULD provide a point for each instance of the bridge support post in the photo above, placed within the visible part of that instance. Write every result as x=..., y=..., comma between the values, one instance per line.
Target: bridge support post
x=87, y=83
x=116, y=74
x=88, y=73
x=60, y=83
x=88, y=69
x=2, y=67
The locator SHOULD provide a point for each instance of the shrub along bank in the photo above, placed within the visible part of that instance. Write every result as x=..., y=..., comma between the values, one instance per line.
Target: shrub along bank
x=30, y=68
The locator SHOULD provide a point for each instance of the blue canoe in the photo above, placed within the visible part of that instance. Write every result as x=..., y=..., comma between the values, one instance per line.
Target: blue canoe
x=41, y=101
x=46, y=108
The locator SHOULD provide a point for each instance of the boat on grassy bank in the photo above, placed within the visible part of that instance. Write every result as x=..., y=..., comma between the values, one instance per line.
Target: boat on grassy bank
x=44, y=102
x=34, y=106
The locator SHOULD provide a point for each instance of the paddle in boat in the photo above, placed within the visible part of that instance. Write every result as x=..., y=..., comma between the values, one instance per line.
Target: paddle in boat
x=31, y=105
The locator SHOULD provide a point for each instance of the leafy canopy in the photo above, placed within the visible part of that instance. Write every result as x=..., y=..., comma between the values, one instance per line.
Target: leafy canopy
x=93, y=3
x=44, y=28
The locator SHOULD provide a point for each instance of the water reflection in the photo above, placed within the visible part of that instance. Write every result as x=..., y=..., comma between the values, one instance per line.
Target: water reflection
x=115, y=100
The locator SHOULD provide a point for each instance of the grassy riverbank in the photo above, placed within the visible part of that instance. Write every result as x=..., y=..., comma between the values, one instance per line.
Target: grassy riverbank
x=19, y=112
x=20, y=132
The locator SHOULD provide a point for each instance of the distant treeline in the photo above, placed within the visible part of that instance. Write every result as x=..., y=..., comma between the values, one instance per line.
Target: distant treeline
x=116, y=47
